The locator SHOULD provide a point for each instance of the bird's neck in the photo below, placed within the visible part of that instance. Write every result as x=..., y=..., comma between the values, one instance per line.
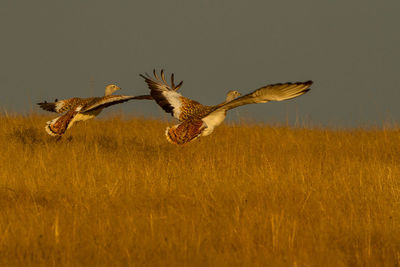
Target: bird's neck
x=230, y=97
x=108, y=92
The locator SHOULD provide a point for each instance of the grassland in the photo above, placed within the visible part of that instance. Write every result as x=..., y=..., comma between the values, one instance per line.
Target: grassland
x=113, y=192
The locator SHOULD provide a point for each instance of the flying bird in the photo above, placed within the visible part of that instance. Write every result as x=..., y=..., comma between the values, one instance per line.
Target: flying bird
x=81, y=109
x=200, y=120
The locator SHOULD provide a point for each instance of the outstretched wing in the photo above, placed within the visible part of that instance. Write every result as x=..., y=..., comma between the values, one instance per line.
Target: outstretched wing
x=273, y=92
x=60, y=106
x=100, y=103
x=168, y=99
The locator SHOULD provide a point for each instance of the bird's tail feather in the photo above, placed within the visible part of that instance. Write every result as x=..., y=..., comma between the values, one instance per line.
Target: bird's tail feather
x=185, y=132
x=50, y=127
x=59, y=125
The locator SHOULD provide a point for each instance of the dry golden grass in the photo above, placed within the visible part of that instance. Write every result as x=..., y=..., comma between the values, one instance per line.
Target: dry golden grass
x=114, y=192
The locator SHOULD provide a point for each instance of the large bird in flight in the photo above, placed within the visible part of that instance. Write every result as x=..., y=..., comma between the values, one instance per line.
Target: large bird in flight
x=199, y=120
x=81, y=109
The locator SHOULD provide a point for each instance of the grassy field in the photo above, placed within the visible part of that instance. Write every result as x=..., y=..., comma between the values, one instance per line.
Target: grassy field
x=114, y=192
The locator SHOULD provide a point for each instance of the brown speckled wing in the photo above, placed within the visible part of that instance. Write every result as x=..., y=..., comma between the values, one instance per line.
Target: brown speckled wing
x=60, y=106
x=171, y=101
x=191, y=109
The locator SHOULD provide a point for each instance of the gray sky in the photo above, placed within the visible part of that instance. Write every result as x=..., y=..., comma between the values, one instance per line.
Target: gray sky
x=350, y=49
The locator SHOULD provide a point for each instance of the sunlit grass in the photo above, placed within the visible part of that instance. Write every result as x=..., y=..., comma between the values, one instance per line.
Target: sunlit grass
x=115, y=192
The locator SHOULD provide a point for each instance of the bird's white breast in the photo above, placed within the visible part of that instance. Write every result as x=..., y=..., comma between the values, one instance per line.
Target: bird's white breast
x=84, y=116
x=213, y=120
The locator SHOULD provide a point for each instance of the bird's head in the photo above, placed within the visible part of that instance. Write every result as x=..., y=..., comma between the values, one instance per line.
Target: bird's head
x=111, y=88
x=232, y=95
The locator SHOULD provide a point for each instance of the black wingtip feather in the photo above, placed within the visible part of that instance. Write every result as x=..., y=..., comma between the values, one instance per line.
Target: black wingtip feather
x=308, y=82
x=149, y=80
x=178, y=86
x=47, y=106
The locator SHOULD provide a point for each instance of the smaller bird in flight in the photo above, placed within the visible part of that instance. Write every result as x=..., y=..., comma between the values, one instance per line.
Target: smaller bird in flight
x=81, y=109
x=200, y=120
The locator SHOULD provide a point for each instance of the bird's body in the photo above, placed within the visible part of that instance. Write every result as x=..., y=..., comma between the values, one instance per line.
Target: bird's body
x=200, y=120
x=81, y=109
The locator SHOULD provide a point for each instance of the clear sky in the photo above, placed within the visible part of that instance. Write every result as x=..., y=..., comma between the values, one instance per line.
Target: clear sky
x=350, y=49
